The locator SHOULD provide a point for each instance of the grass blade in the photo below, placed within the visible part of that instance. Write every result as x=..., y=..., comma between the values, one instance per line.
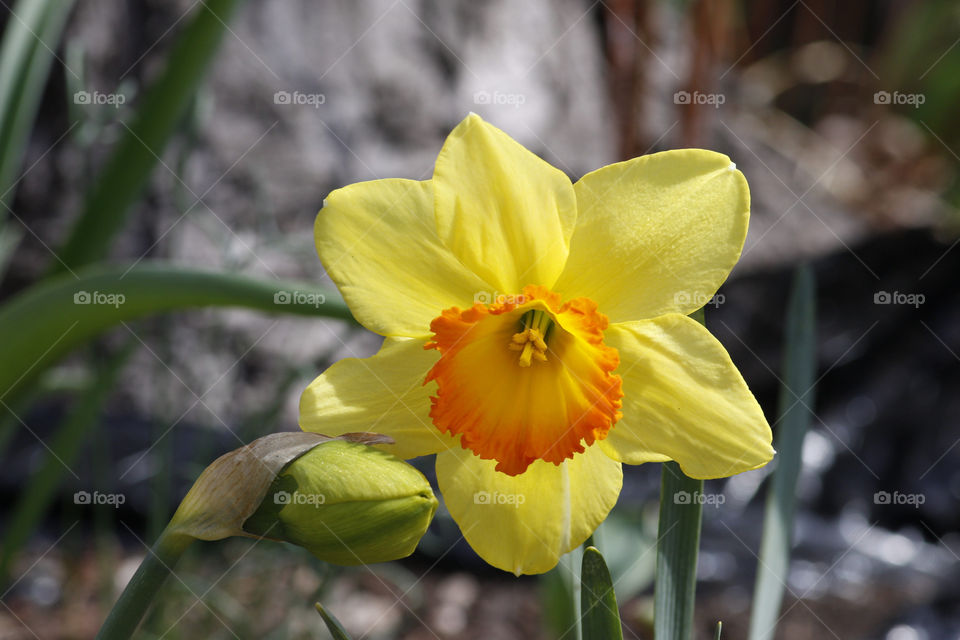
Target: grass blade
x=600, y=618
x=142, y=143
x=52, y=317
x=29, y=41
x=796, y=398
x=678, y=544
x=9, y=239
x=42, y=485
x=558, y=602
x=677, y=549
x=333, y=625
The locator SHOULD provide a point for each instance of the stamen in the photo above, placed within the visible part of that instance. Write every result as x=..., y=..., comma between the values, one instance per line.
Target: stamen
x=531, y=342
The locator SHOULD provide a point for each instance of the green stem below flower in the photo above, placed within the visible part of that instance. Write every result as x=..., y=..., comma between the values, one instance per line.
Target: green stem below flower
x=678, y=544
x=143, y=587
x=677, y=549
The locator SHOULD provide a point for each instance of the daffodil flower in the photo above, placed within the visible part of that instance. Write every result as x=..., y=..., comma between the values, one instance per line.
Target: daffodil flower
x=536, y=332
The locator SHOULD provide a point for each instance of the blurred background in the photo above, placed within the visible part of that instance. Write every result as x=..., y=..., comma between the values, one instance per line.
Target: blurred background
x=842, y=116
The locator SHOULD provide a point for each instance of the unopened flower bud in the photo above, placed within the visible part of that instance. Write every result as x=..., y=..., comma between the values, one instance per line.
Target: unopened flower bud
x=347, y=503
x=344, y=501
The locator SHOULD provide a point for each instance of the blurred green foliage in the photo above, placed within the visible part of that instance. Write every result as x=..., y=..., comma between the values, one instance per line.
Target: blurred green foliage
x=53, y=316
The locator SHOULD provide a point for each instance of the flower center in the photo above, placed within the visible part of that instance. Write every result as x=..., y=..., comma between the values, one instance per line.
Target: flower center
x=531, y=342
x=545, y=396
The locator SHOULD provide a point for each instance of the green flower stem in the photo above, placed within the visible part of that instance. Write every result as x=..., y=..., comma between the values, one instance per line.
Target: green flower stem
x=678, y=543
x=144, y=586
x=677, y=548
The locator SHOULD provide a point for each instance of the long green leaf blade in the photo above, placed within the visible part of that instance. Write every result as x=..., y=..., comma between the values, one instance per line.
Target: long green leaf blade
x=795, y=402
x=29, y=41
x=142, y=144
x=9, y=239
x=558, y=601
x=42, y=485
x=333, y=625
x=677, y=550
x=678, y=545
x=52, y=317
x=600, y=618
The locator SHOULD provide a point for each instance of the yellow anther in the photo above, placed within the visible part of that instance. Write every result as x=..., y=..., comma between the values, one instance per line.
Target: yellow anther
x=527, y=354
x=531, y=345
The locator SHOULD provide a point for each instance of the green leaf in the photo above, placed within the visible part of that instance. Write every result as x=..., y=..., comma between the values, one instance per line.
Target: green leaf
x=678, y=545
x=52, y=317
x=558, y=597
x=600, y=619
x=9, y=239
x=629, y=543
x=9, y=413
x=43, y=484
x=677, y=549
x=143, y=142
x=795, y=402
x=29, y=41
x=333, y=625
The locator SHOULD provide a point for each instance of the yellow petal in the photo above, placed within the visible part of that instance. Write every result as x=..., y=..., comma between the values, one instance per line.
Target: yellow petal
x=504, y=212
x=656, y=234
x=383, y=394
x=684, y=400
x=524, y=523
x=378, y=242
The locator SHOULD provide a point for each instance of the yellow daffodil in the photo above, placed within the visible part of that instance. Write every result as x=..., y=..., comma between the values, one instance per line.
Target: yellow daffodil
x=536, y=332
